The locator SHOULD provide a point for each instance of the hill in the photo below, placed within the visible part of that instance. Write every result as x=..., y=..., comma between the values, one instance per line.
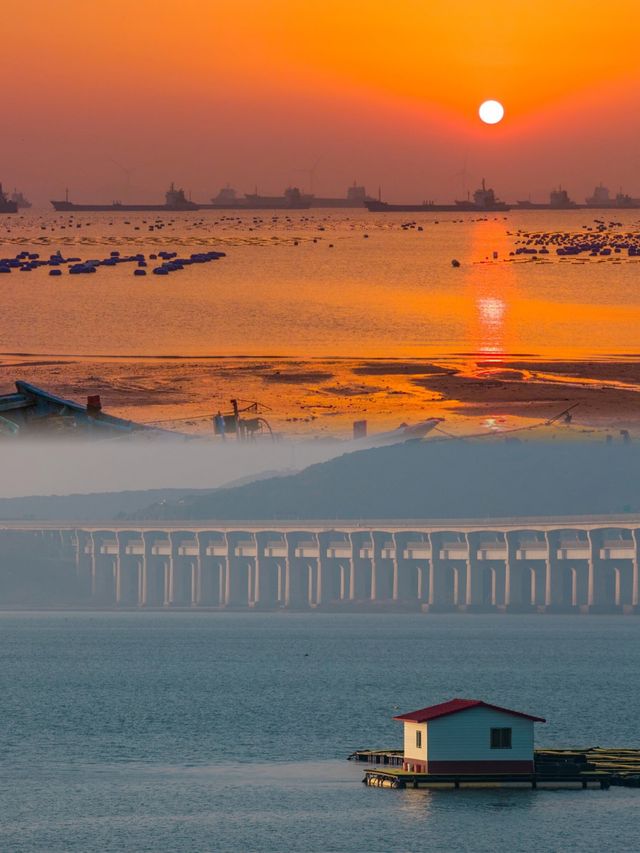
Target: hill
x=102, y=506
x=438, y=479
x=89, y=507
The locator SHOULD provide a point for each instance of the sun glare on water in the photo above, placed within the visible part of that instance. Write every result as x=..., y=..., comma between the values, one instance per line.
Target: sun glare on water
x=491, y=112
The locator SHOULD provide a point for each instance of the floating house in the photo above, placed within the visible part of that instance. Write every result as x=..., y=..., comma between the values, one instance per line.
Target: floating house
x=468, y=736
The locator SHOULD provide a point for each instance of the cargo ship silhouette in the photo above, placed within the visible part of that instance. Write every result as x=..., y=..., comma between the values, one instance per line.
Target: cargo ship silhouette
x=6, y=205
x=20, y=200
x=228, y=199
x=293, y=198
x=484, y=201
x=175, y=200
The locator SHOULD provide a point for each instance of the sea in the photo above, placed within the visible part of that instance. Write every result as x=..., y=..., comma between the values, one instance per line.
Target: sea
x=321, y=283
x=193, y=732
x=185, y=733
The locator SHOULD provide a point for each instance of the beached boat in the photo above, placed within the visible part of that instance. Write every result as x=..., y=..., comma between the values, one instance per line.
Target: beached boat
x=405, y=432
x=33, y=412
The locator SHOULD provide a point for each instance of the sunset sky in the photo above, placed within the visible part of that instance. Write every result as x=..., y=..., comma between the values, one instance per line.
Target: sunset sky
x=115, y=99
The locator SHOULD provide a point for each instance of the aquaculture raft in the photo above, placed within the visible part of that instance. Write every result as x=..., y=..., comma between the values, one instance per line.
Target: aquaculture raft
x=622, y=765
x=591, y=767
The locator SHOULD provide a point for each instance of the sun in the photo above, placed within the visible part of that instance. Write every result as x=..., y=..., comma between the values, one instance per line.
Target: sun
x=491, y=112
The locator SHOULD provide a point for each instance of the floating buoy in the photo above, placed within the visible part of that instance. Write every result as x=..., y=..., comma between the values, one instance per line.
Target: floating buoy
x=455, y=263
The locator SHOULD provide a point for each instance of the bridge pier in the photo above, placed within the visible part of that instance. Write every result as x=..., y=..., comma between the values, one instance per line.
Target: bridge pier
x=575, y=565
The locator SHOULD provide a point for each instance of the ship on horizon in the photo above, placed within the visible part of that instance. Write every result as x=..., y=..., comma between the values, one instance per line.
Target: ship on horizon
x=484, y=201
x=601, y=199
x=20, y=200
x=175, y=200
x=228, y=199
x=7, y=205
x=559, y=199
x=356, y=197
x=292, y=198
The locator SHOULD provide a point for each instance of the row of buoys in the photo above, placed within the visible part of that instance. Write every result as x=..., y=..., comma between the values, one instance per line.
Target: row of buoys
x=27, y=261
x=602, y=241
x=173, y=263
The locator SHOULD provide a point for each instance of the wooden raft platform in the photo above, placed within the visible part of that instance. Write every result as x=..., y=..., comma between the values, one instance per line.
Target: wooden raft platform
x=591, y=767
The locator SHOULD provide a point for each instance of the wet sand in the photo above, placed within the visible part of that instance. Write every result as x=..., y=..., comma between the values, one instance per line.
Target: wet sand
x=323, y=397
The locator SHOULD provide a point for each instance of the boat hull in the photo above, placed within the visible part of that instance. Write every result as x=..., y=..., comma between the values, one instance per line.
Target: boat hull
x=463, y=207
x=31, y=411
x=276, y=204
x=71, y=207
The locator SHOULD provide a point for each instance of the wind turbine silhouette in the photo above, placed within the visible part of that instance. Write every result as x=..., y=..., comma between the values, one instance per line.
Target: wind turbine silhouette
x=127, y=176
x=311, y=173
x=464, y=176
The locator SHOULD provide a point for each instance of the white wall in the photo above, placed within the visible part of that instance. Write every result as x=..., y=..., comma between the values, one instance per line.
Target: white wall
x=411, y=752
x=466, y=736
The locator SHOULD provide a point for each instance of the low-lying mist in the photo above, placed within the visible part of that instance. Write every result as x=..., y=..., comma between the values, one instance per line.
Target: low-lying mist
x=60, y=468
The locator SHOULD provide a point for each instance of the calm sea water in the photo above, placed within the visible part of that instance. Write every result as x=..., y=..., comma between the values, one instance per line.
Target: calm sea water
x=316, y=283
x=228, y=732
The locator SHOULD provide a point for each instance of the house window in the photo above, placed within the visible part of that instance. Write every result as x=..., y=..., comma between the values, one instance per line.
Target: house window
x=418, y=740
x=500, y=738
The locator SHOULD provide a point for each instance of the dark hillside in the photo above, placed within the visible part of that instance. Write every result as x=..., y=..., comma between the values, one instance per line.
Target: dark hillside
x=435, y=480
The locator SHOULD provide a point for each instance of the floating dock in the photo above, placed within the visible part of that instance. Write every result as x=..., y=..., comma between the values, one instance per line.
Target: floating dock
x=588, y=768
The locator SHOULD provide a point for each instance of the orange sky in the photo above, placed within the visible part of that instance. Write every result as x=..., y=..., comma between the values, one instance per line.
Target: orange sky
x=207, y=92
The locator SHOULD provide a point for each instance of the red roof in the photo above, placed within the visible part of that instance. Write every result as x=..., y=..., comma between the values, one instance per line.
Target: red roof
x=453, y=706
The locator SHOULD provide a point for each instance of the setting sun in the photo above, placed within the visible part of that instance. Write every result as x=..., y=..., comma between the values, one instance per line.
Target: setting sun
x=491, y=112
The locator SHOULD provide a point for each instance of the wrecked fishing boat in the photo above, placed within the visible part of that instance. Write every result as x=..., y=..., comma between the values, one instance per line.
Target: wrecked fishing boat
x=405, y=432
x=33, y=412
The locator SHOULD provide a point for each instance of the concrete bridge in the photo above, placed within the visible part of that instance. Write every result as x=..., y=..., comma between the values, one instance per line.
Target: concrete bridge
x=563, y=564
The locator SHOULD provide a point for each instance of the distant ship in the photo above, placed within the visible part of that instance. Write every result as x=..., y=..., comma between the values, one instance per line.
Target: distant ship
x=292, y=198
x=527, y=204
x=558, y=200
x=175, y=201
x=228, y=199
x=602, y=200
x=6, y=205
x=20, y=200
x=356, y=197
x=484, y=201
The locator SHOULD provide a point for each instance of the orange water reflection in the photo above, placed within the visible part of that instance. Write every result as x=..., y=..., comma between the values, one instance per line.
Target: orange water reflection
x=315, y=287
x=491, y=289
